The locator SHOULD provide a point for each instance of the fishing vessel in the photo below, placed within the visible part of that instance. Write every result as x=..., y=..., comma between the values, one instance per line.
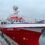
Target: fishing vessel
x=21, y=32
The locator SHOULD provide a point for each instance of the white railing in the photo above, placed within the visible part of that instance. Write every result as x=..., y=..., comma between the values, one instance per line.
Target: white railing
x=21, y=25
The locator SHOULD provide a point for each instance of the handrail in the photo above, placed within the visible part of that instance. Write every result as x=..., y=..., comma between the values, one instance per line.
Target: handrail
x=20, y=25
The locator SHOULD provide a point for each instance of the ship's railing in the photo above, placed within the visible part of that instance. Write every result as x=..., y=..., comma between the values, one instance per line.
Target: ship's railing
x=20, y=25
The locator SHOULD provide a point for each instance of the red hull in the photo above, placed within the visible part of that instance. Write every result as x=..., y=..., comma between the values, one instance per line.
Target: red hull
x=23, y=37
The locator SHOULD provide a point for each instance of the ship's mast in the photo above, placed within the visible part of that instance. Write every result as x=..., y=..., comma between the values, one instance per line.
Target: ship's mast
x=15, y=9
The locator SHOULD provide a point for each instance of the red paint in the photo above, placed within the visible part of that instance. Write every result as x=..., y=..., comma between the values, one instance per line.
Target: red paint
x=15, y=18
x=23, y=37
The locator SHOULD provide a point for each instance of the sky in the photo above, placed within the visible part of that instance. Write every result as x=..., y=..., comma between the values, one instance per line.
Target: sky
x=28, y=8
